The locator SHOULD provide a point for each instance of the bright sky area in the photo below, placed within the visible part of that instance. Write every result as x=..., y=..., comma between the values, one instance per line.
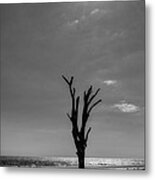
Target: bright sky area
x=99, y=43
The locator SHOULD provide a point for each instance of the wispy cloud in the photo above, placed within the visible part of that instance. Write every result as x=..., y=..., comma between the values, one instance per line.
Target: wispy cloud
x=87, y=18
x=98, y=11
x=126, y=108
x=123, y=107
x=110, y=82
x=76, y=21
x=94, y=11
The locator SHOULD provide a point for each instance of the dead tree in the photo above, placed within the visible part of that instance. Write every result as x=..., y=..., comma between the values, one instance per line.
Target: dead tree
x=80, y=136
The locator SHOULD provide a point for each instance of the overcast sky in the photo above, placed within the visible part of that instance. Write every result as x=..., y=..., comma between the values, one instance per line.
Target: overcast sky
x=99, y=43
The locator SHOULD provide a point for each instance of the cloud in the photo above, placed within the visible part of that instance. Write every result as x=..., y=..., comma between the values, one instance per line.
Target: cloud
x=126, y=108
x=94, y=11
x=98, y=11
x=102, y=81
x=122, y=107
x=87, y=18
x=76, y=21
x=110, y=82
x=118, y=34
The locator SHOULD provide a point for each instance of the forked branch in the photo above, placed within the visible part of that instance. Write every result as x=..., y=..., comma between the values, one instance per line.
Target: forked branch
x=87, y=134
x=90, y=109
x=79, y=136
x=88, y=97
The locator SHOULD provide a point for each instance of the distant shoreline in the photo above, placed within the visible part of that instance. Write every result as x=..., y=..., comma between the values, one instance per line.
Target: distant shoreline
x=71, y=162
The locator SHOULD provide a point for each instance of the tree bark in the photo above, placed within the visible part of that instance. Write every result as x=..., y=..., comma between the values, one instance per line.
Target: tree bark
x=81, y=159
x=79, y=135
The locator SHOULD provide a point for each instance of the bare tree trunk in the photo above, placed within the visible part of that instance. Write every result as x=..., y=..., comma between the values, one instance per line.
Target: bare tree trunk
x=79, y=135
x=81, y=159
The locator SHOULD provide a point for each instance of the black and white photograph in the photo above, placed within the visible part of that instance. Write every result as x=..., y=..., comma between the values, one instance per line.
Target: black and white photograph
x=73, y=85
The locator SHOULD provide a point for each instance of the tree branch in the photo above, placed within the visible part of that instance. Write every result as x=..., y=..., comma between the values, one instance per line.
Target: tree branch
x=97, y=102
x=89, y=91
x=93, y=96
x=87, y=134
x=77, y=103
x=73, y=91
x=71, y=81
x=79, y=135
x=69, y=116
x=68, y=82
x=87, y=94
x=86, y=103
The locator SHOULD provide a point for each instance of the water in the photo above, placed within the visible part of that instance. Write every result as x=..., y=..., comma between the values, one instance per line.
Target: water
x=71, y=162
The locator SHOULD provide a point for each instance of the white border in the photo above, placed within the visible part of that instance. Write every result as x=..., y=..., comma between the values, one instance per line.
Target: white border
x=36, y=1
x=57, y=174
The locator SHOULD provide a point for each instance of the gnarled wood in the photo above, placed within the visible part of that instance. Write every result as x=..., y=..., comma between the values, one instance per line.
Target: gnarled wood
x=79, y=136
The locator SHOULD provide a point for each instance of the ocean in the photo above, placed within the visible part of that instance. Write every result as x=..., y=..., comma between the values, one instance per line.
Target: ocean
x=71, y=162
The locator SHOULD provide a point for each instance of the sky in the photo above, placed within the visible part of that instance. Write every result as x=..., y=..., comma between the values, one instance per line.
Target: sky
x=100, y=44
